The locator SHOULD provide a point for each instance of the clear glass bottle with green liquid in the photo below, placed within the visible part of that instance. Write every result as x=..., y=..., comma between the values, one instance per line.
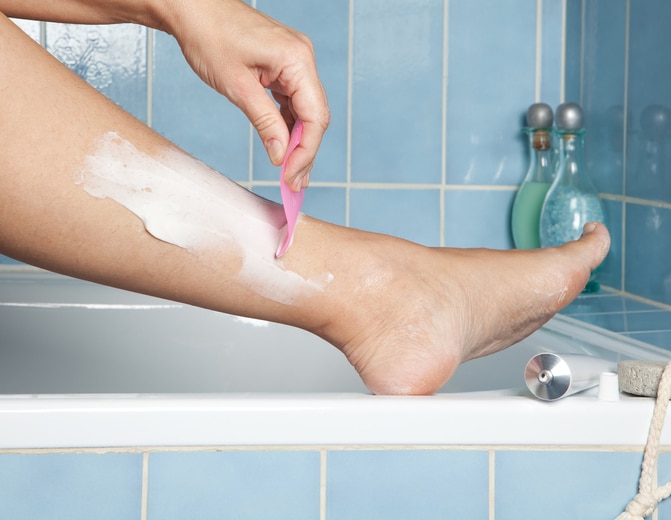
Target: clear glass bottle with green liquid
x=531, y=194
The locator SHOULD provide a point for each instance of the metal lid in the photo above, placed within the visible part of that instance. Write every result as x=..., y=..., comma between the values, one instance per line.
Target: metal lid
x=539, y=115
x=569, y=116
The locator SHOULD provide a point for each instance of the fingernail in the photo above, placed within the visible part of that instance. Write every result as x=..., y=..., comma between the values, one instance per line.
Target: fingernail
x=274, y=151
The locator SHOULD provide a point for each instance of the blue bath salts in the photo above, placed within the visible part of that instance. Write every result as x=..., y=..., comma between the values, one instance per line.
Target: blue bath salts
x=565, y=211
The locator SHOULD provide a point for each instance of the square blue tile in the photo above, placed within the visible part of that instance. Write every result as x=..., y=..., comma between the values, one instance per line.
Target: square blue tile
x=603, y=92
x=72, y=486
x=397, y=91
x=194, y=116
x=327, y=26
x=556, y=485
x=111, y=58
x=551, y=50
x=573, y=66
x=649, y=321
x=649, y=100
x=664, y=476
x=491, y=83
x=478, y=218
x=399, y=485
x=604, y=302
x=254, y=485
x=610, y=271
x=648, y=250
x=615, y=322
x=661, y=339
x=410, y=214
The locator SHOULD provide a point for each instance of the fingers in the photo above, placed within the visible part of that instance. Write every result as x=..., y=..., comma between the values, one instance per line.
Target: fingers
x=300, y=94
x=308, y=103
x=251, y=54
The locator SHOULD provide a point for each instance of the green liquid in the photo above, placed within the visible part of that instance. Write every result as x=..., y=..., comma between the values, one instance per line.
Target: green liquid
x=527, y=214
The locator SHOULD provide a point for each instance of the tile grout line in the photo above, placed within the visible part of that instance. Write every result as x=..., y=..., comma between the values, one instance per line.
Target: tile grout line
x=443, y=123
x=539, y=50
x=322, y=485
x=492, y=484
x=148, y=450
x=250, y=165
x=43, y=34
x=583, y=16
x=562, y=54
x=625, y=125
x=150, y=76
x=145, y=485
x=348, y=123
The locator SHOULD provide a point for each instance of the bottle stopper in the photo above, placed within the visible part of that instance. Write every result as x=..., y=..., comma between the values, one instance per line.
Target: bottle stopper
x=569, y=116
x=539, y=115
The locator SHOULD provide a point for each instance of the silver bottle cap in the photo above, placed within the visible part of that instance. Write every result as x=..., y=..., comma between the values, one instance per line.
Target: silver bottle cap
x=539, y=115
x=569, y=116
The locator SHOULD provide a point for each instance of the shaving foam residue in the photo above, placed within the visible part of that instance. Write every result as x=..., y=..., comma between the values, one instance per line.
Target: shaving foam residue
x=184, y=202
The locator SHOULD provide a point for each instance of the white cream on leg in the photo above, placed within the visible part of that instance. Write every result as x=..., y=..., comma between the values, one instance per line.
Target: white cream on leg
x=184, y=202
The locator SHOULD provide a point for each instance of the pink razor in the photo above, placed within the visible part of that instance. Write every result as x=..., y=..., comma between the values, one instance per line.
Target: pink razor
x=292, y=200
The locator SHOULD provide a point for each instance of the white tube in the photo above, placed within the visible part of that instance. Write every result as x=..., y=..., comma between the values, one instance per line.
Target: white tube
x=553, y=376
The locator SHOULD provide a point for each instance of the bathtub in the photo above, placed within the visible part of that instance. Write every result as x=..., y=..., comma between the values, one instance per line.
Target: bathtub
x=86, y=366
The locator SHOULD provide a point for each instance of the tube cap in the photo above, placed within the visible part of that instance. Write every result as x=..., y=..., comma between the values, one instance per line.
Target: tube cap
x=609, y=388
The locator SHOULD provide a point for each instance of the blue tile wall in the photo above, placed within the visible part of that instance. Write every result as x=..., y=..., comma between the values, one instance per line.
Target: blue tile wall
x=603, y=93
x=394, y=211
x=491, y=81
x=649, y=102
x=397, y=91
x=538, y=484
x=331, y=483
x=396, y=485
x=264, y=485
x=610, y=271
x=648, y=252
x=573, y=49
x=474, y=217
x=72, y=486
x=327, y=25
x=194, y=116
x=551, y=73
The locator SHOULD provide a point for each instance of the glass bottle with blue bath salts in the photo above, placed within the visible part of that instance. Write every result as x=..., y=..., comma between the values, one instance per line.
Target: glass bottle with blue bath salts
x=572, y=201
x=531, y=194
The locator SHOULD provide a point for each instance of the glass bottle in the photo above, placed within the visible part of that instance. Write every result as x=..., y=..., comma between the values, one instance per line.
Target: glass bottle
x=531, y=194
x=572, y=201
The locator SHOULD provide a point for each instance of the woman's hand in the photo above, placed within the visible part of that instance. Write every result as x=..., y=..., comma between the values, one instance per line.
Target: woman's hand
x=241, y=52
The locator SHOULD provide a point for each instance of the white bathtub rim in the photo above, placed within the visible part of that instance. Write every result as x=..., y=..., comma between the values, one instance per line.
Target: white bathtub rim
x=478, y=418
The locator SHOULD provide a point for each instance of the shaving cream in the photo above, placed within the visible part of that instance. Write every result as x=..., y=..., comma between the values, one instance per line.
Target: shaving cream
x=184, y=202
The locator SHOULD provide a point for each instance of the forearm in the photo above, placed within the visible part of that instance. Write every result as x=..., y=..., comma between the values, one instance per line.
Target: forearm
x=150, y=13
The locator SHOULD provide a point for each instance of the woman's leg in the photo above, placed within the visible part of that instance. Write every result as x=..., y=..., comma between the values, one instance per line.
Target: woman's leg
x=87, y=190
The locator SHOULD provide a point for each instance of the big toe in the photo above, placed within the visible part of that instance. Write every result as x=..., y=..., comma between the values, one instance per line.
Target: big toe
x=594, y=244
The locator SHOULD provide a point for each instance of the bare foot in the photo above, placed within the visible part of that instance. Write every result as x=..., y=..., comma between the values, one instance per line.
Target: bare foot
x=414, y=322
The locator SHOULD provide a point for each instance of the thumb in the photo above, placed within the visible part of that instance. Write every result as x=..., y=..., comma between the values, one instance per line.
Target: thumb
x=263, y=113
